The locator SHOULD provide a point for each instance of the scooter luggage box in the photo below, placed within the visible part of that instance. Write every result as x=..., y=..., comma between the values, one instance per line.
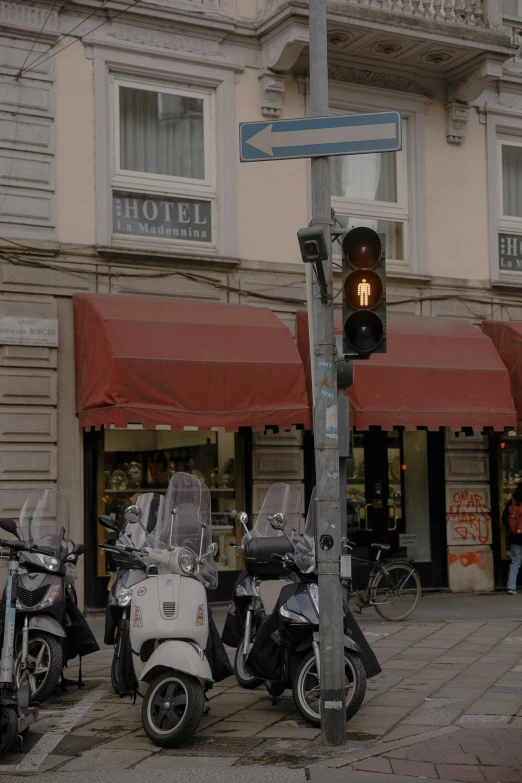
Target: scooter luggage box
x=258, y=558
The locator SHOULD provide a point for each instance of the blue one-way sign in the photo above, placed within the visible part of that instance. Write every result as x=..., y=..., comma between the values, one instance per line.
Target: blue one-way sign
x=318, y=136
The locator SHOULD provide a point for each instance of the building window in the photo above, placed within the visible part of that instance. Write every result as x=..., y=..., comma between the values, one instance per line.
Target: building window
x=371, y=190
x=163, y=178
x=512, y=8
x=510, y=204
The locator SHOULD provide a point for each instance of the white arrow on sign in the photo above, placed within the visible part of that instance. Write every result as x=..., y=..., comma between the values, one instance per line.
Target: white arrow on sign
x=266, y=140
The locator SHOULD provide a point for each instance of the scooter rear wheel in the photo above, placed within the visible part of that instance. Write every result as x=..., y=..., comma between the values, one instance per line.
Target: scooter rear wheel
x=306, y=687
x=8, y=729
x=172, y=709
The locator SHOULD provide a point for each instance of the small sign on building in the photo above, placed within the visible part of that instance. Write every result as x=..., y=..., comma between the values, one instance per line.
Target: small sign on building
x=28, y=331
x=510, y=252
x=407, y=539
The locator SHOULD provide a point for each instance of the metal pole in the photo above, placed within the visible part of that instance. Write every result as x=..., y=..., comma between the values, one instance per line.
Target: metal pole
x=333, y=697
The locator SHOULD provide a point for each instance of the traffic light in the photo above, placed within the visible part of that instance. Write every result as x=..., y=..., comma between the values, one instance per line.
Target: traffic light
x=364, y=293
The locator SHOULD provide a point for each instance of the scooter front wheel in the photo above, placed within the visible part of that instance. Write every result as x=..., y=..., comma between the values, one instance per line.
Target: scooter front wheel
x=8, y=729
x=245, y=679
x=172, y=709
x=307, y=689
x=44, y=665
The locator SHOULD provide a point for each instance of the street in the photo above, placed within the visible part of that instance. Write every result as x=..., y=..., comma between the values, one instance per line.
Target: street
x=447, y=706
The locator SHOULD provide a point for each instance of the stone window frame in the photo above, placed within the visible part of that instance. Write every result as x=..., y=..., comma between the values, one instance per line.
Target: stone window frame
x=112, y=66
x=347, y=97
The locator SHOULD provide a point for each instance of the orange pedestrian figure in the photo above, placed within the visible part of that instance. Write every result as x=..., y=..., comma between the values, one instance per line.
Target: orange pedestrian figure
x=363, y=292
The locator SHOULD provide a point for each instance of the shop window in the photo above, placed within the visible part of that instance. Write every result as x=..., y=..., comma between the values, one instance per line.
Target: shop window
x=163, y=178
x=133, y=462
x=371, y=190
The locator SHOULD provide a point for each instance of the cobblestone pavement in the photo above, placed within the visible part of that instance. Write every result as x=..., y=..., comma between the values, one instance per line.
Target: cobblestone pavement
x=448, y=706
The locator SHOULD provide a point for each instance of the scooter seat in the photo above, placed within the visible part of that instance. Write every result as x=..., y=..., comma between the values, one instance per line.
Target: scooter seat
x=269, y=592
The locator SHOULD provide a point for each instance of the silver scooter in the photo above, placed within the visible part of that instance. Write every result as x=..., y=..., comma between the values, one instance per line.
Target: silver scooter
x=17, y=713
x=164, y=646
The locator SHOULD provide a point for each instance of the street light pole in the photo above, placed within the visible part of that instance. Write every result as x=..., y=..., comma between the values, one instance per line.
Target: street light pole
x=331, y=647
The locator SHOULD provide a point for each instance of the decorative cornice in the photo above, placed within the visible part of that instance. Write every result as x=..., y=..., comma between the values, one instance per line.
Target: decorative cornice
x=508, y=100
x=386, y=81
x=201, y=47
x=28, y=17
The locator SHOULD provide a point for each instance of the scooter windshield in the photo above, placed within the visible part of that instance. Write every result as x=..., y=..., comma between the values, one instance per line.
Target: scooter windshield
x=187, y=522
x=141, y=534
x=304, y=544
x=44, y=519
x=280, y=499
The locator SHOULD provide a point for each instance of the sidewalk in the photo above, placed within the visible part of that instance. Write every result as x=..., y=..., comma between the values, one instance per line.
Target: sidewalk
x=448, y=706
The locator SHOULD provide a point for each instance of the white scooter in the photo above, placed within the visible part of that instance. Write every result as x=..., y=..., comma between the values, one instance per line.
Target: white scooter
x=168, y=630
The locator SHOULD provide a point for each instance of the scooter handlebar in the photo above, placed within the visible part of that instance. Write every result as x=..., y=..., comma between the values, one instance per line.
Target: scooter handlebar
x=21, y=546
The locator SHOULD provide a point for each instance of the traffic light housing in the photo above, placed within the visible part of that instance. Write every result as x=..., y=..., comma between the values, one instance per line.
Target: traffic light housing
x=364, y=293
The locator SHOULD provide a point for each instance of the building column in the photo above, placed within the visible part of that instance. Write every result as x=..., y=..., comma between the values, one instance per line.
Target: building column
x=468, y=513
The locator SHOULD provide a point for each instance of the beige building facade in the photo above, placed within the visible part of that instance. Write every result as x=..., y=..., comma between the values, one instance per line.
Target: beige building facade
x=120, y=174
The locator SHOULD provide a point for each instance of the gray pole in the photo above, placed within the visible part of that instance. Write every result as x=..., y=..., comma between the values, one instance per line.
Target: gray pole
x=333, y=699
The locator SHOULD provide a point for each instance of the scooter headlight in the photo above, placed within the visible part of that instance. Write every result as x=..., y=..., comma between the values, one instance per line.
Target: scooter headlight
x=123, y=595
x=52, y=563
x=187, y=561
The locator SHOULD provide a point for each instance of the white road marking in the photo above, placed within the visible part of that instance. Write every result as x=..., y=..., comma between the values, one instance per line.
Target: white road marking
x=48, y=742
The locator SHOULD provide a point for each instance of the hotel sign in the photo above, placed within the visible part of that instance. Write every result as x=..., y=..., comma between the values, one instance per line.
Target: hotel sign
x=510, y=252
x=166, y=217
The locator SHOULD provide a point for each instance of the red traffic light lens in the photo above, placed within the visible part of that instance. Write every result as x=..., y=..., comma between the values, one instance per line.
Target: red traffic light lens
x=364, y=331
x=363, y=289
x=362, y=247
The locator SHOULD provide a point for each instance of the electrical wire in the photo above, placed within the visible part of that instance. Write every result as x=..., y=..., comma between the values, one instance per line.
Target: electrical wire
x=37, y=39
x=39, y=61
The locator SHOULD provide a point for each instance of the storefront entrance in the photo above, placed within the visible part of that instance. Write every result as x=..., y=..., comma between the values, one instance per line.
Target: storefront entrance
x=395, y=496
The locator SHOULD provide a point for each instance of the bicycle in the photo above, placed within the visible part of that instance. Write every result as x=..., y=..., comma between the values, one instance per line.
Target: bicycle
x=395, y=584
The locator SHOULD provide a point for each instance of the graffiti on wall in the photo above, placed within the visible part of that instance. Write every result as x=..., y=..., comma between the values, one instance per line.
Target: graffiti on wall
x=468, y=518
x=467, y=559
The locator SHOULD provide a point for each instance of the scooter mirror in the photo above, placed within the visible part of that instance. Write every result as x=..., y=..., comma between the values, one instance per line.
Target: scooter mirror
x=132, y=515
x=243, y=519
x=277, y=522
x=212, y=550
x=108, y=522
x=78, y=549
x=9, y=525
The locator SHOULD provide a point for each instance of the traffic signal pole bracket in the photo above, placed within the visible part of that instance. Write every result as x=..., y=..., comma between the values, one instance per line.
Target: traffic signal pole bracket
x=326, y=436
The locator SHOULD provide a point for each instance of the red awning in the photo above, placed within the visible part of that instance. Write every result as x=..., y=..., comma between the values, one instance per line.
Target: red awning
x=150, y=361
x=437, y=372
x=507, y=338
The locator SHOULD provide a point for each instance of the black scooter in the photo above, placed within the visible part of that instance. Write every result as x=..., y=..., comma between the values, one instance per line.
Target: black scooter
x=285, y=650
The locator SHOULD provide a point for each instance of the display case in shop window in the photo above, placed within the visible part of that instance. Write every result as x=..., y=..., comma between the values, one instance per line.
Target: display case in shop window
x=134, y=462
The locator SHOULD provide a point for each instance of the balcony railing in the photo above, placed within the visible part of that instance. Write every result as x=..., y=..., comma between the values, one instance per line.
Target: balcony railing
x=468, y=13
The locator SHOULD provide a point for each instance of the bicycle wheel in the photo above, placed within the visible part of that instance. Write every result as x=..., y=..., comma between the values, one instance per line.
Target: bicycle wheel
x=395, y=591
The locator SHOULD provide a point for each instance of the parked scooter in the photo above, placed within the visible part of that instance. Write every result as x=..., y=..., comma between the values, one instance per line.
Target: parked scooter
x=246, y=611
x=285, y=650
x=50, y=629
x=170, y=649
x=135, y=533
x=17, y=712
